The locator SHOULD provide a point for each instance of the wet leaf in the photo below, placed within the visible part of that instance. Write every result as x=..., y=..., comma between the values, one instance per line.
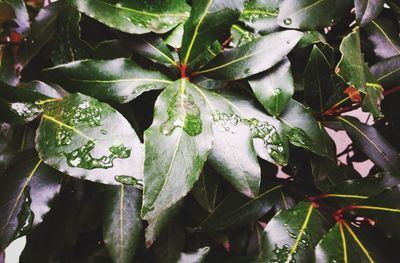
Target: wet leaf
x=78, y=136
x=136, y=17
x=312, y=14
x=176, y=147
x=274, y=88
x=27, y=188
x=367, y=10
x=119, y=80
x=208, y=19
x=247, y=60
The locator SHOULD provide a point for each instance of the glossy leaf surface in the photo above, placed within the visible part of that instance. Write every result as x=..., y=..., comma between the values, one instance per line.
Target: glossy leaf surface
x=78, y=136
x=118, y=80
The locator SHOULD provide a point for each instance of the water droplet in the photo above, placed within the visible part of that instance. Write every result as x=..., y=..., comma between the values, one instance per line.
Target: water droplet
x=277, y=91
x=25, y=216
x=298, y=136
x=287, y=21
x=129, y=180
x=81, y=157
x=118, y=5
x=182, y=113
x=332, y=20
x=27, y=111
x=102, y=131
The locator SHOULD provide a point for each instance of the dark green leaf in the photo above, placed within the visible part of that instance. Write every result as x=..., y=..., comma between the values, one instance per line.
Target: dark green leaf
x=302, y=129
x=78, y=136
x=261, y=15
x=18, y=112
x=67, y=45
x=236, y=209
x=387, y=71
x=207, y=20
x=111, y=49
x=353, y=70
x=136, y=17
x=161, y=222
x=312, y=14
x=328, y=174
x=206, y=56
x=197, y=256
x=274, y=88
x=119, y=80
x=27, y=189
x=249, y=59
x=42, y=30
x=367, y=10
x=344, y=243
x=174, y=39
x=374, y=145
x=317, y=79
x=176, y=147
x=383, y=35
x=206, y=188
x=240, y=36
x=153, y=48
x=292, y=235
x=122, y=223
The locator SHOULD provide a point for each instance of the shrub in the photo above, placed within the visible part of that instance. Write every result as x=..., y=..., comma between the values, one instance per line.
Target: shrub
x=174, y=131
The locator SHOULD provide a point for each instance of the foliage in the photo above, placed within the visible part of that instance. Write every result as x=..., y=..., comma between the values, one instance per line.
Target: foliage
x=196, y=131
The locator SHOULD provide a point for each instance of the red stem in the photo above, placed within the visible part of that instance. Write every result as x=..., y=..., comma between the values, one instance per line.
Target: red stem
x=391, y=91
x=183, y=69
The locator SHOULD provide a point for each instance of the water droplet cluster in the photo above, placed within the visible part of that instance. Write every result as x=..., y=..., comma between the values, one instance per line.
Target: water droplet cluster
x=252, y=15
x=182, y=113
x=298, y=136
x=81, y=157
x=88, y=112
x=129, y=180
x=281, y=254
x=27, y=111
x=259, y=129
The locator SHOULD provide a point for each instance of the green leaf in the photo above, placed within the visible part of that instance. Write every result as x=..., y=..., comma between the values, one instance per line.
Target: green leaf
x=160, y=223
x=119, y=80
x=237, y=210
x=136, y=17
x=111, y=49
x=78, y=136
x=383, y=34
x=353, y=70
x=387, y=71
x=328, y=174
x=344, y=243
x=367, y=10
x=42, y=30
x=197, y=256
x=240, y=36
x=206, y=188
x=176, y=147
x=292, y=235
x=312, y=14
x=27, y=189
x=174, y=39
x=374, y=145
x=302, y=129
x=153, y=48
x=240, y=127
x=247, y=60
x=8, y=73
x=122, y=225
x=208, y=19
x=231, y=137
x=67, y=45
x=274, y=88
x=28, y=92
x=384, y=209
x=317, y=79
x=206, y=56
x=261, y=15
